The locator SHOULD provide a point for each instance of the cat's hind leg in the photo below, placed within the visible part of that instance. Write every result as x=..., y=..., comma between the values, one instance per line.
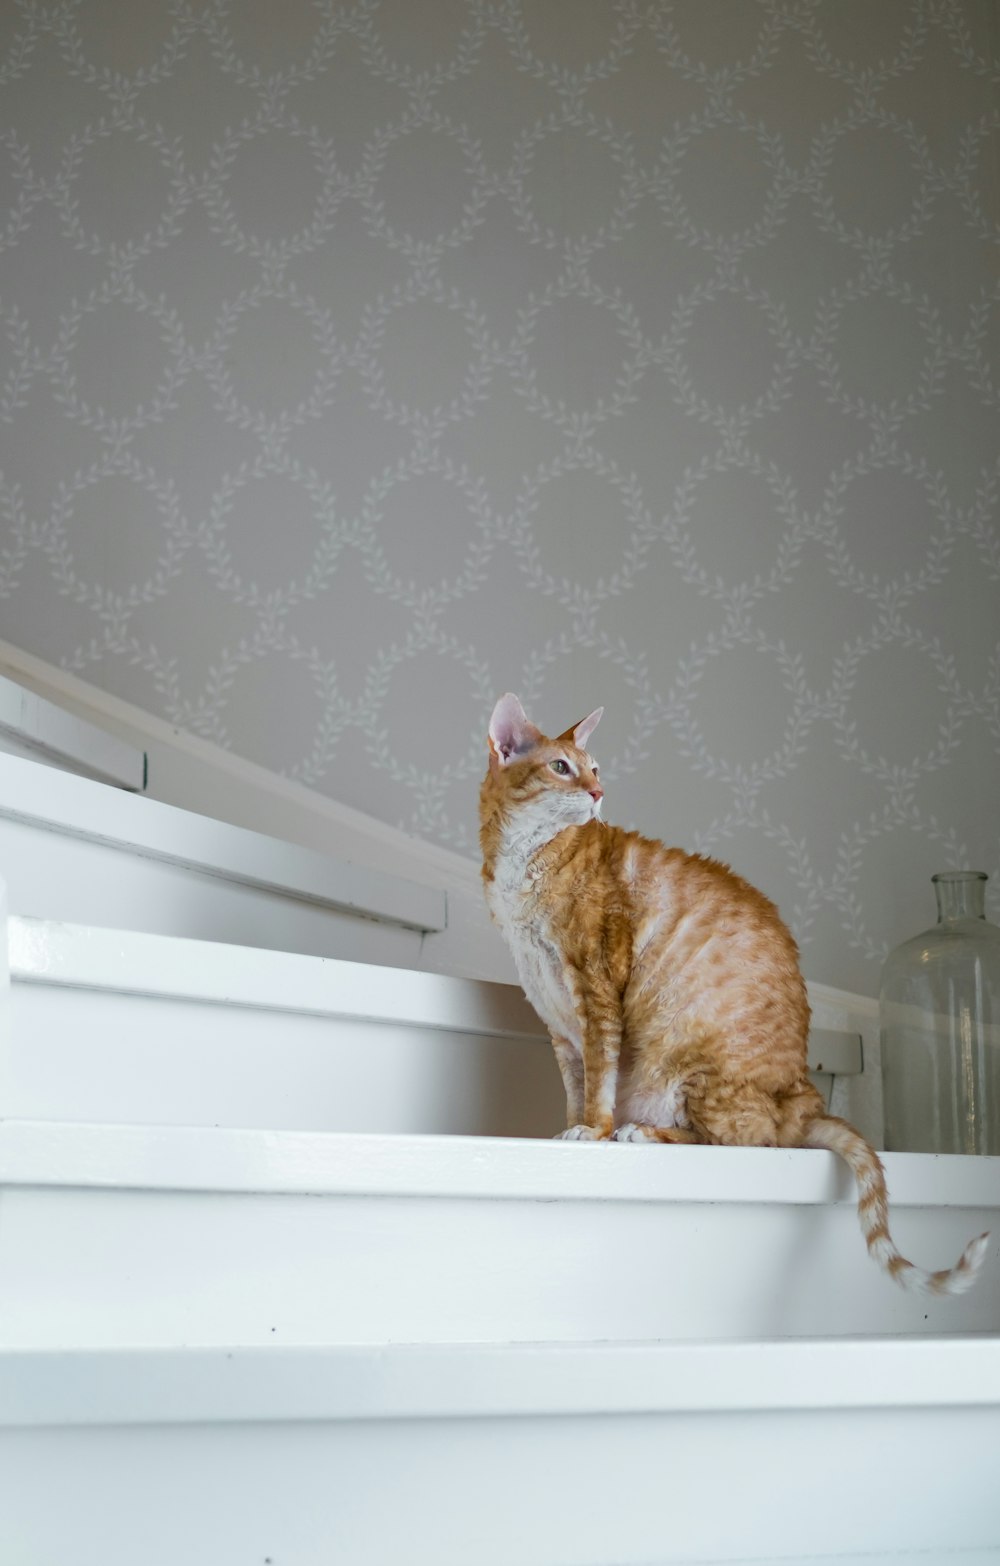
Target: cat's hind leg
x=735, y=1113
x=711, y=1108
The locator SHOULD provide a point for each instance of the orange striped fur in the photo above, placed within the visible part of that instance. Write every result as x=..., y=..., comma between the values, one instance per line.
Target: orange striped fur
x=671, y=987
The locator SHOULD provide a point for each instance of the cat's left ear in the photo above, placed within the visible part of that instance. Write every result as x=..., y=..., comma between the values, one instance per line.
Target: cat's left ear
x=581, y=732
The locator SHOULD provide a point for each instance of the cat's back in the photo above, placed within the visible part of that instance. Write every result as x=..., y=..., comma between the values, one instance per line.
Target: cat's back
x=687, y=902
x=598, y=860
x=660, y=876
x=709, y=946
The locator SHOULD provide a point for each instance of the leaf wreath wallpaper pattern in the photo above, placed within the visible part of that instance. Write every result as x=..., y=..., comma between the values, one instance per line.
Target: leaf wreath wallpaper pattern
x=363, y=360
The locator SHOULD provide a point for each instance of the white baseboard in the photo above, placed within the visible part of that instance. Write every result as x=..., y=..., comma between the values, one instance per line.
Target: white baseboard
x=219, y=783
x=196, y=775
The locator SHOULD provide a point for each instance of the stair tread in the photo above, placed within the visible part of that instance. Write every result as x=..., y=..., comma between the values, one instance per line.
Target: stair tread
x=206, y=1158
x=391, y=1381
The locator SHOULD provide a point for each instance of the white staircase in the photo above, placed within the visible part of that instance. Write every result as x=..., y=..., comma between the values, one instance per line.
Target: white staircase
x=291, y=1272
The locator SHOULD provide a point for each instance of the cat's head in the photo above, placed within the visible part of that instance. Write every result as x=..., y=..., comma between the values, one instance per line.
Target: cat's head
x=556, y=779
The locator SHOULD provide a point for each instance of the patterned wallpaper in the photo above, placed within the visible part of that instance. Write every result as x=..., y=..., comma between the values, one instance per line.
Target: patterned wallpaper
x=359, y=361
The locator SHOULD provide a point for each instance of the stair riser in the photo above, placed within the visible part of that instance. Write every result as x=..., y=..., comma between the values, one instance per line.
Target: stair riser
x=658, y=1487
x=128, y=1267
x=90, y=1055
x=57, y=876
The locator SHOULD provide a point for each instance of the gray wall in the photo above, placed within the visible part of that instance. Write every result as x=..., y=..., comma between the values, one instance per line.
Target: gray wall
x=362, y=361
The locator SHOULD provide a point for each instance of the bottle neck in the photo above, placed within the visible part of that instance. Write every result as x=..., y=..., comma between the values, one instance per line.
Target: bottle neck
x=961, y=894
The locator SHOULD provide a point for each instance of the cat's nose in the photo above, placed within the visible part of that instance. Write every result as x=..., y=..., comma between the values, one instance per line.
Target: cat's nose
x=596, y=794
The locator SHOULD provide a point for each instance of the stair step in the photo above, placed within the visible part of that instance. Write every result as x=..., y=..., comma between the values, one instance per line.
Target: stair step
x=130, y=1235
x=248, y=1313
x=234, y=1383
x=120, y=1025
x=131, y=1027
x=75, y=849
x=479, y=1453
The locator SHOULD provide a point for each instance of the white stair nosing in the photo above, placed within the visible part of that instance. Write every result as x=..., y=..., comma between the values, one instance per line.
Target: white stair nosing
x=78, y=807
x=259, y=1161
x=40, y=725
x=174, y=967
x=462, y=1381
x=231, y=773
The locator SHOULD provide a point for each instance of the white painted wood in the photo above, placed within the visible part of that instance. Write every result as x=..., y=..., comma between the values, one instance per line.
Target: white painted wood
x=680, y=1453
x=5, y=987
x=61, y=804
x=131, y=1236
x=190, y=772
x=125, y=1244
x=490, y=1380
x=857, y=1097
x=194, y=774
x=77, y=880
x=832, y=1053
x=249, y=1161
x=127, y=1026
x=129, y=961
x=93, y=1055
x=42, y=731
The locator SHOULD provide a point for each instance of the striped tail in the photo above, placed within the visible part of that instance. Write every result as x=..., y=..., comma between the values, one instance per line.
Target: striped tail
x=873, y=1213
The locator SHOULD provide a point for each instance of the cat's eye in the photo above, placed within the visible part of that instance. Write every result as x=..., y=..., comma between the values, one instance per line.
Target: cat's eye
x=562, y=767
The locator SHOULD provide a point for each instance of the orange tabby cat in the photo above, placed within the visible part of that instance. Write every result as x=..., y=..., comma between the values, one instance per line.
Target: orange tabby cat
x=670, y=986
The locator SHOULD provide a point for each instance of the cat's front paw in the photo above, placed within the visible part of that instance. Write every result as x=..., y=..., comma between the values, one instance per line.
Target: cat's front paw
x=630, y=1132
x=580, y=1134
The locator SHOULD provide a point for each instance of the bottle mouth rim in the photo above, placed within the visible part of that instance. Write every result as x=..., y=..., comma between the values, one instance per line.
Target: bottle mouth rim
x=957, y=876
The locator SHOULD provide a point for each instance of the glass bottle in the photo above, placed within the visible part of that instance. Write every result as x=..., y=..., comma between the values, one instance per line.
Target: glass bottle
x=939, y=1011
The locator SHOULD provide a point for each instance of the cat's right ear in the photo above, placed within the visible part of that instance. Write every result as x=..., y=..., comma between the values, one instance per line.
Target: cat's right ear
x=580, y=733
x=511, y=733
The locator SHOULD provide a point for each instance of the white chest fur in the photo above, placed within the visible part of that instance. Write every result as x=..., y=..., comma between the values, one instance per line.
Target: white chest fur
x=514, y=905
